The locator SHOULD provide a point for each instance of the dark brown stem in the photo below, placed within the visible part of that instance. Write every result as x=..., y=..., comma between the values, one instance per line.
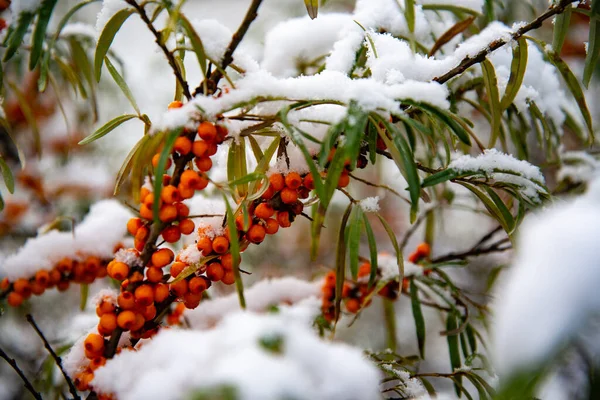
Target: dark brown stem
x=18, y=370
x=184, y=85
x=251, y=15
x=495, y=45
x=497, y=247
x=53, y=354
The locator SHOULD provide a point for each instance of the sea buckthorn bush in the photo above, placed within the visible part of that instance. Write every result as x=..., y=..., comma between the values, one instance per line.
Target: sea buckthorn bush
x=380, y=199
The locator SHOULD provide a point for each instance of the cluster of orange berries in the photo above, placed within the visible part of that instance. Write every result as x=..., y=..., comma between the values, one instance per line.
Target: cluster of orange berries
x=354, y=294
x=65, y=272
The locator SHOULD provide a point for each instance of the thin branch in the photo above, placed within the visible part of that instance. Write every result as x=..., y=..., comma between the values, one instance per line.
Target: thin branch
x=184, y=85
x=497, y=247
x=55, y=356
x=18, y=370
x=381, y=186
x=414, y=228
x=251, y=15
x=468, y=62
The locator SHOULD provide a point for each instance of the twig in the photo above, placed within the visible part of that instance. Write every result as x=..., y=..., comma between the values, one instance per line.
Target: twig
x=55, y=356
x=475, y=251
x=468, y=62
x=379, y=186
x=414, y=228
x=184, y=85
x=18, y=370
x=251, y=15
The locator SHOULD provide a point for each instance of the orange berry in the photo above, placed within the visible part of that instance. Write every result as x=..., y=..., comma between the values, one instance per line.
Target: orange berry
x=309, y=181
x=162, y=257
x=105, y=307
x=133, y=225
x=36, y=288
x=207, y=131
x=176, y=268
x=352, y=305
x=271, y=226
x=22, y=287
x=4, y=284
x=185, y=192
x=205, y=245
x=297, y=208
x=167, y=213
x=55, y=277
x=211, y=150
x=126, y=319
x=277, y=181
x=119, y=271
x=182, y=210
x=149, y=312
x=171, y=234
x=256, y=234
x=144, y=295
x=200, y=148
x=146, y=212
x=221, y=133
x=108, y=322
x=182, y=145
x=203, y=163
x=14, y=299
x=227, y=262
x=191, y=300
x=175, y=104
x=190, y=178
x=344, y=180
x=264, y=211
x=139, y=322
x=42, y=277
x=293, y=180
x=149, y=200
x=65, y=265
x=144, y=191
x=215, y=271
x=283, y=218
x=197, y=285
x=161, y=292
x=94, y=343
x=424, y=250
x=203, y=182
x=239, y=223
x=228, y=278
x=142, y=234
x=289, y=196
x=126, y=300
x=97, y=362
x=179, y=288
x=220, y=245
x=154, y=274
x=364, y=270
x=187, y=226
x=156, y=159
x=63, y=286
x=269, y=193
x=169, y=194
x=92, y=264
x=83, y=380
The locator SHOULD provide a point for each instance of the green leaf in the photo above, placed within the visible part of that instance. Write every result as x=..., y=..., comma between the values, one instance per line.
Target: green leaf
x=372, y=250
x=446, y=117
x=354, y=240
x=593, y=53
x=561, y=27
x=518, y=67
x=439, y=177
x=7, y=175
x=312, y=6
x=196, y=42
x=451, y=33
x=16, y=38
x=251, y=177
x=256, y=150
x=192, y=268
x=122, y=84
x=262, y=167
x=234, y=249
x=39, y=34
x=409, y=14
x=160, y=170
x=491, y=85
x=489, y=10
x=392, y=236
x=106, y=38
x=84, y=291
x=82, y=64
x=418, y=317
x=340, y=261
x=455, y=362
x=107, y=128
x=489, y=205
x=125, y=169
x=508, y=218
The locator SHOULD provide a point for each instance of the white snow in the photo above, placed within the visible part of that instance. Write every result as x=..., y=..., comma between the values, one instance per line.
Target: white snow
x=109, y=9
x=475, y=5
x=97, y=235
x=300, y=365
x=20, y=6
x=550, y=290
x=370, y=204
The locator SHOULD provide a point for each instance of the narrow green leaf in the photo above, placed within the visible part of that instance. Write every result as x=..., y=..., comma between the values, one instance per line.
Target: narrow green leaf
x=234, y=249
x=504, y=211
x=491, y=85
x=107, y=128
x=122, y=84
x=489, y=10
x=107, y=36
x=125, y=169
x=192, y=268
x=84, y=67
x=251, y=177
x=455, y=362
x=446, y=117
x=439, y=177
x=39, y=33
x=256, y=150
x=340, y=261
x=489, y=205
x=409, y=14
x=84, y=292
x=312, y=6
x=418, y=317
x=397, y=249
x=451, y=33
x=372, y=250
x=196, y=42
x=7, y=175
x=518, y=67
x=1, y=202
x=561, y=27
x=355, y=228
x=593, y=51
x=160, y=170
x=18, y=34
